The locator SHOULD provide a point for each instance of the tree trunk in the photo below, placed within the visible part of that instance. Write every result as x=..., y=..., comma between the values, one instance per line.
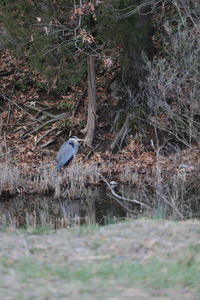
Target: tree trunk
x=137, y=45
x=91, y=117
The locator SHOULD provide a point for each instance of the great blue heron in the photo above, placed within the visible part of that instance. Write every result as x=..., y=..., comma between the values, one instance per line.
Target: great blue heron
x=67, y=152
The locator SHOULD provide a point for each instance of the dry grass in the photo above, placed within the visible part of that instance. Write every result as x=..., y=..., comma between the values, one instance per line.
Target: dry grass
x=10, y=177
x=170, y=194
x=69, y=182
x=173, y=193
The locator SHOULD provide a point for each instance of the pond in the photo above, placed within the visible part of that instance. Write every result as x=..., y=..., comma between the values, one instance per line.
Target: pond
x=95, y=205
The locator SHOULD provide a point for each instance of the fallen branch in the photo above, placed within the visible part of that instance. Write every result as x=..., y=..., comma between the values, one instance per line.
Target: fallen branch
x=52, y=140
x=123, y=205
x=17, y=105
x=40, y=111
x=55, y=119
x=4, y=73
x=123, y=198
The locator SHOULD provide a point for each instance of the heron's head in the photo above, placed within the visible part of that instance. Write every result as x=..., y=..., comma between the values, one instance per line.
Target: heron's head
x=74, y=139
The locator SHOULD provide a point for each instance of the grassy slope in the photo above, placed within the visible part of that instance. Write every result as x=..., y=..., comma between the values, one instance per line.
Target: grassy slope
x=143, y=259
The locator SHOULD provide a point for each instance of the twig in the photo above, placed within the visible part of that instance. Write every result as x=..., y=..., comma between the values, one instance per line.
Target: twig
x=141, y=9
x=126, y=208
x=16, y=125
x=45, y=134
x=116, y=119
x=159, y=186
x=172, y=206
x=121, y=134
x=47, y=143
x=2, y=154
x=79, y=101
x=123, y=198
x=93, y=149
x=13, y=102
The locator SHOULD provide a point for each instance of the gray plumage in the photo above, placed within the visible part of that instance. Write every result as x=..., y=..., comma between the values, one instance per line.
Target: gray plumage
x=67, y=152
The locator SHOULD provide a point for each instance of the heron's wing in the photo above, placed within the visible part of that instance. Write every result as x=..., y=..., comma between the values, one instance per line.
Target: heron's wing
x=66, y=152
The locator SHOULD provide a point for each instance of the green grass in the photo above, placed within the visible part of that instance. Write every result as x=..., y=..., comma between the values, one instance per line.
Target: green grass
x=84, y=229
x=154, y=273
x=38, y=230
x=100, y=270
x=95, y=245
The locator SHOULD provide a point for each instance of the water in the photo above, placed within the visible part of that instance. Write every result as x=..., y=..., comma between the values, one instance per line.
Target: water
x=94, y=206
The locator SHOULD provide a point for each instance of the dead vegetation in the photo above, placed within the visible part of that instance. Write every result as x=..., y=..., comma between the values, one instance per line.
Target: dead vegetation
x=47, y=180
x=165, y=186
x=172, y=85
x=33, y=123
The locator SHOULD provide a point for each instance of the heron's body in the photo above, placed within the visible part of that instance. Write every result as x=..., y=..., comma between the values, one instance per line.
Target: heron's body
x=67, y=152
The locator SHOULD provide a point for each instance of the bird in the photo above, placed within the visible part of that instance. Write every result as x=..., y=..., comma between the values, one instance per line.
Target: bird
x=67, y=152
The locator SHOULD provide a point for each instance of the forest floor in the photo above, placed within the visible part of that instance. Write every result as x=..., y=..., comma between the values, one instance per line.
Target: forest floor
x=141, y=259
x=34, y=123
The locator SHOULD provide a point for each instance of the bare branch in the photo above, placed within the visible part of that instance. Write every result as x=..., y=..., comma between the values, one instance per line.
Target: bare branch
x=123, y=198
x=18, y=106
x=140, y=9
x=119, y=139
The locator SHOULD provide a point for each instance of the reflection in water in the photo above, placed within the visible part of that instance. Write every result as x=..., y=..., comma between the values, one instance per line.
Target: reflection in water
x=93, y=206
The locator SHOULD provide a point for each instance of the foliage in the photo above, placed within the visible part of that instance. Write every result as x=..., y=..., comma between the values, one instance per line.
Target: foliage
x=56, y=36
x=47, y=33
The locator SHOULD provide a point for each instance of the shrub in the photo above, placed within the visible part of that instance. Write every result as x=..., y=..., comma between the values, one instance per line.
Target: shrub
x=172, y=89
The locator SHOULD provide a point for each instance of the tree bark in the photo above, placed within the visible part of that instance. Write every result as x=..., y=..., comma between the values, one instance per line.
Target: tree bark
x=91, y=117
x=138, y=44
